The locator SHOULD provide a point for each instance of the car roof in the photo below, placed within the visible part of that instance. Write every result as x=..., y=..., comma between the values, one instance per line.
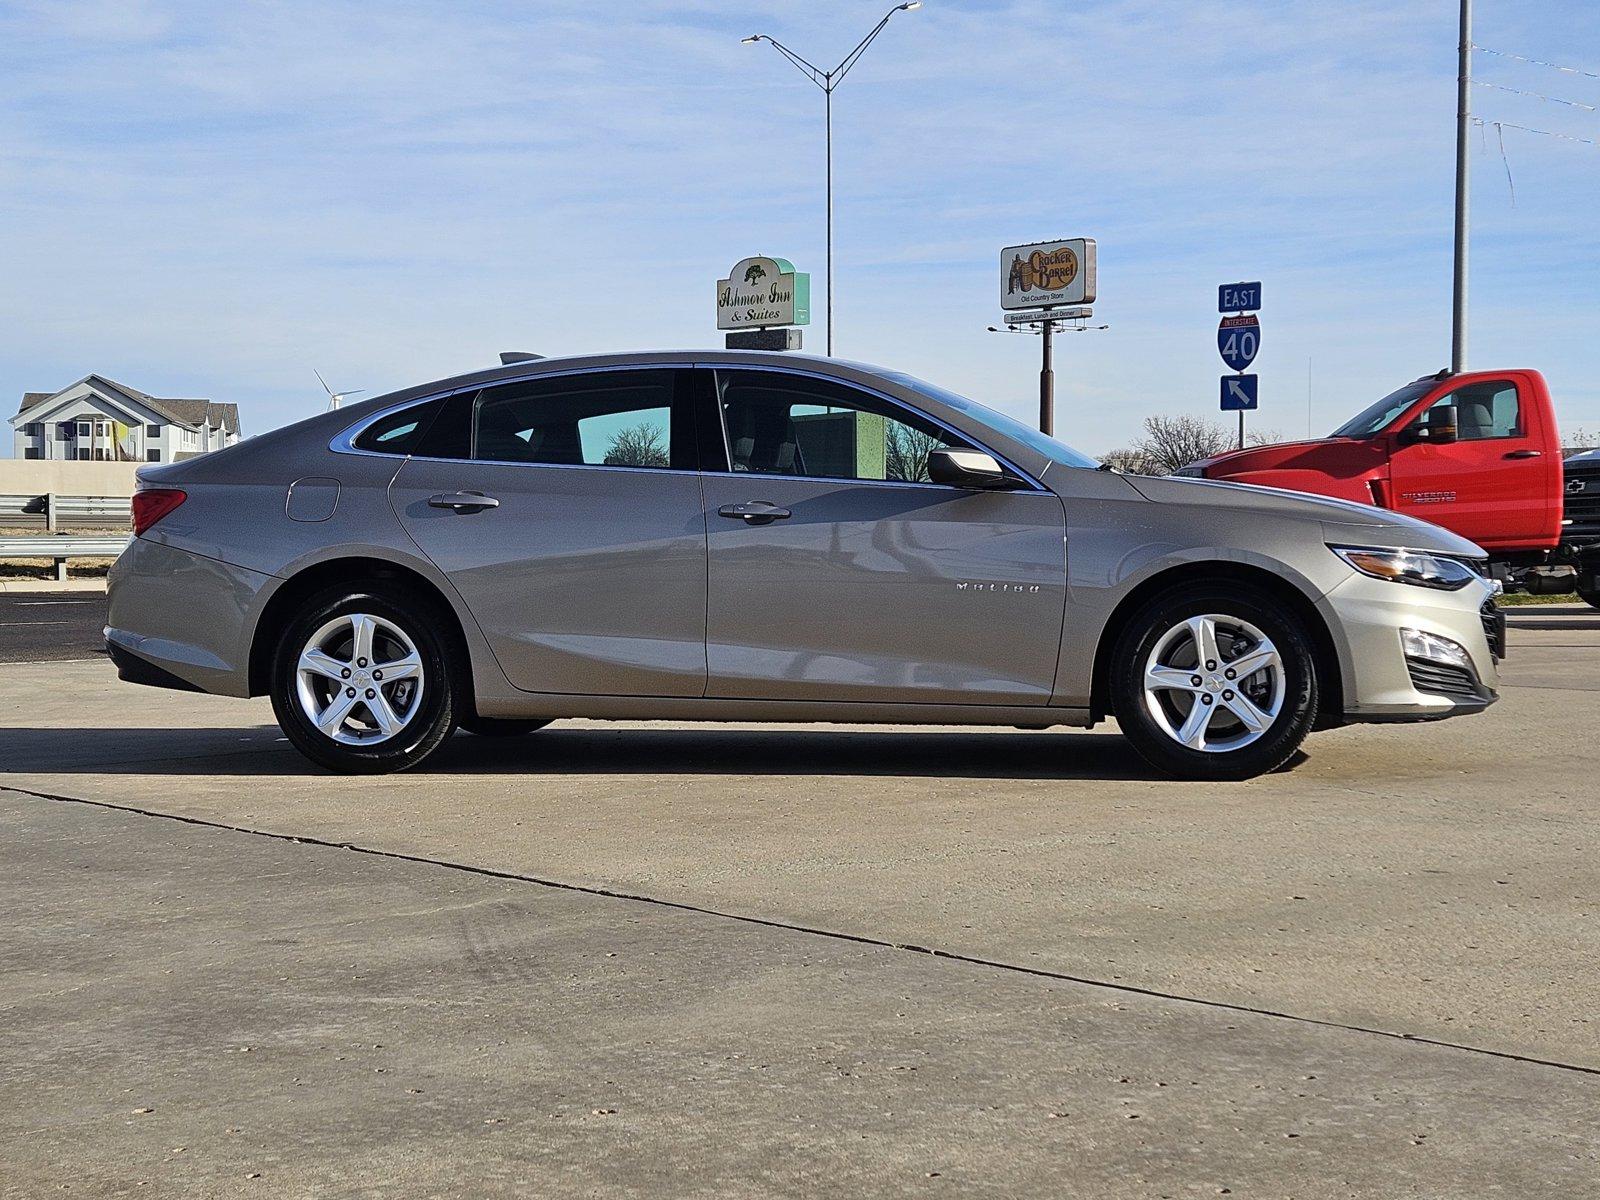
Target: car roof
x=529, y=368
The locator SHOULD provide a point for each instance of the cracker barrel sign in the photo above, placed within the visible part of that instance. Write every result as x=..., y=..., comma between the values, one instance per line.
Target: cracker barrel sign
x=761, y=292
x=1045, y=274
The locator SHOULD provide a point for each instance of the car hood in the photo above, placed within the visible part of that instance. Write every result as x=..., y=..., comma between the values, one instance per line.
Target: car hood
x=1342, y=520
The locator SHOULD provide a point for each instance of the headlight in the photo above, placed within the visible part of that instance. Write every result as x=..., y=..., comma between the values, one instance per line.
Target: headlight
x=1409, y=566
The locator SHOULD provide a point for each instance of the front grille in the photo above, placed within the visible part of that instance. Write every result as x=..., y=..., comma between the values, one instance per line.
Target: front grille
x=1442, y=679
x=1581, y=509
x=1494, y=627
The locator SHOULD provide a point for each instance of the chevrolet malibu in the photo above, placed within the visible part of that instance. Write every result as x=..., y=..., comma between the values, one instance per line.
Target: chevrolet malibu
x=720, y=536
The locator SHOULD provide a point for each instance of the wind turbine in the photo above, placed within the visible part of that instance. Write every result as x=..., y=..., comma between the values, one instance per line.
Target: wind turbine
x=333, y=396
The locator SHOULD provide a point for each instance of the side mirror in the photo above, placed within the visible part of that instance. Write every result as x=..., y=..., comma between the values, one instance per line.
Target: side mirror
x=968, y=469
x=1436, y=426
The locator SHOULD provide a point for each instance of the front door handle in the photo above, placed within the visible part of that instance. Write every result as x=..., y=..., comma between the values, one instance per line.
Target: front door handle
x=1525, y=454
x=463, y=502
x=755, y=512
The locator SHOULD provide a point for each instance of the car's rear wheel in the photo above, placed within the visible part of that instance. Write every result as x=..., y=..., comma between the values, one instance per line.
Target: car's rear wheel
x=499, y=727
x=364, y=682
x=1210, y=682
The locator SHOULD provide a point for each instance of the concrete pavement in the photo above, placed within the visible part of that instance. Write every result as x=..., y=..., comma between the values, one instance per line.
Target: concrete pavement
x=1407, y=882
x=206, y=1012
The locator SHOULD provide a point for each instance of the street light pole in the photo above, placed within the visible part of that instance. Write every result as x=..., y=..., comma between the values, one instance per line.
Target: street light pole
x=827, y=81
x=1458, y=321
x=827, y=104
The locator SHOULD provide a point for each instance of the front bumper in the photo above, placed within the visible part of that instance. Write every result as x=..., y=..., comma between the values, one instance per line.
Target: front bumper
x=1381, y=682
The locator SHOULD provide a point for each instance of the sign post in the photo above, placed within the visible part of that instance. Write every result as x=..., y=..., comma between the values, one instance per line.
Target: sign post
x=1044, y=284
x=1239, y=341
x=760, y=301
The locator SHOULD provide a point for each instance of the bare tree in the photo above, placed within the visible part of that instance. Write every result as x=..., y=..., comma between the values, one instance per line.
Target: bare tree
x=641, y=445
x=906, y=452
x=1170, y=442
x=1176, y=441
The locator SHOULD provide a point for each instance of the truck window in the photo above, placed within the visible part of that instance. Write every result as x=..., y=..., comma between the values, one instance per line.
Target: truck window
x=1378, y=417
x=1485, y=410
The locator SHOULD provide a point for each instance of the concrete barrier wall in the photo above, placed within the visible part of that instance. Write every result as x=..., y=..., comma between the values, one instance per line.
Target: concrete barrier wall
x=37, y=476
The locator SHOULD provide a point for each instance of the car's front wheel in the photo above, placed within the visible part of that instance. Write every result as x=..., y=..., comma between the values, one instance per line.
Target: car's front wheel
x=1214, y=682
x=363, y=681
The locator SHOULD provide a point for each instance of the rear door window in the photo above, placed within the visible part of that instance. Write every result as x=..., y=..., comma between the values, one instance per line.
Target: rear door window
x=632, y=418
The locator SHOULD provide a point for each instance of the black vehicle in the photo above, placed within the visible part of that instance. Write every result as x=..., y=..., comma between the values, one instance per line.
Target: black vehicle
x=1580, y=526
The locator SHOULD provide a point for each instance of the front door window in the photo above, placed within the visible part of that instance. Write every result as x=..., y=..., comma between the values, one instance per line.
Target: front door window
x=783, y=424
x=1482, y=411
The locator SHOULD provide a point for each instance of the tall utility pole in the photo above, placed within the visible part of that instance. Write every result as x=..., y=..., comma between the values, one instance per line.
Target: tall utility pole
x=827, y=81
x=1458, y=325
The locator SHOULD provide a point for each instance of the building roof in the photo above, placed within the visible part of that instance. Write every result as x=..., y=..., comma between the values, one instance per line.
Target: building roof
x=180, y=411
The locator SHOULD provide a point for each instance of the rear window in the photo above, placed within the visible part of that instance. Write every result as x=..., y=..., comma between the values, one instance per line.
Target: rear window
x=399, y=432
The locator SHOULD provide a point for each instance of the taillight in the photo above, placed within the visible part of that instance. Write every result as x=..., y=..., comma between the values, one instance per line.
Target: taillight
x=151, y=505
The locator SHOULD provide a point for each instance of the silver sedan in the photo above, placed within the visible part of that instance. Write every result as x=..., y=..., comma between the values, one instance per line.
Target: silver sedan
x=720, y=536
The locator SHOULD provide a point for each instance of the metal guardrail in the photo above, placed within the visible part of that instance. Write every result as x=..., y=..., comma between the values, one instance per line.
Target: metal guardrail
x=54, y=511
x=62, y=547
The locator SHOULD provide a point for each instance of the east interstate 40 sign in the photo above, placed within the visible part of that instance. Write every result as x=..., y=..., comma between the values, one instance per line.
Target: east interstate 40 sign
x=1239, y=340
x=761, y=292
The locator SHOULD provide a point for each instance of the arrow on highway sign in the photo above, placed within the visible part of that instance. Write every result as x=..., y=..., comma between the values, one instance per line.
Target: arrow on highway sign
x=1239, y=393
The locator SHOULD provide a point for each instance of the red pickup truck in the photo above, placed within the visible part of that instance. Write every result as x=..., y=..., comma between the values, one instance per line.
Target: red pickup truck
x=1478, y=453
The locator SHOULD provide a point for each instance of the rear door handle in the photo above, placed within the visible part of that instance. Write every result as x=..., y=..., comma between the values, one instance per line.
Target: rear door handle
x=1525, y=454
x=755, y=512
x=463, y=502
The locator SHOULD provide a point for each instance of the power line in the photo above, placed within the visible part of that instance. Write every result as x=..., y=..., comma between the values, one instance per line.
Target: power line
x=1565, y=137
x=1538, y=62
x=1500, y=87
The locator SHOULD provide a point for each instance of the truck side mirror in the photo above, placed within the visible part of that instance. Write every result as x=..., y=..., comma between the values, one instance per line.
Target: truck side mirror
x=967, y=469
x=1437, y=426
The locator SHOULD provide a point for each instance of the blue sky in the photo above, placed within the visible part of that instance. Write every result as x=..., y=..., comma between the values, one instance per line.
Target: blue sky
x=204, y=199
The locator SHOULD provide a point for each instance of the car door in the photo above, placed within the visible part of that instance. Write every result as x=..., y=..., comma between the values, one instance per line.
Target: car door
x=1488, y=484
x=566, y=511
x=836, y=571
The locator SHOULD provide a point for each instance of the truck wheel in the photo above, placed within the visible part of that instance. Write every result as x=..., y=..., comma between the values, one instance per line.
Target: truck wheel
x=364, y=682
x=1590, y=596
x=1214, y=682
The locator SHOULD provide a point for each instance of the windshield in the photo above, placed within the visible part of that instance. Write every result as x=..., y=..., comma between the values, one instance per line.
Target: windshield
x=998, y=421
x=1380, y=415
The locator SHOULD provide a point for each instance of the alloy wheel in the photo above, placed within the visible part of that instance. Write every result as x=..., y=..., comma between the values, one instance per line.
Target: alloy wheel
x=359, y=679
x=1214, y=683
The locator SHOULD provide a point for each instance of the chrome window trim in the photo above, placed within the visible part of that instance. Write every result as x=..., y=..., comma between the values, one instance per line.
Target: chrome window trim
x=344, y=441
x=895, y=402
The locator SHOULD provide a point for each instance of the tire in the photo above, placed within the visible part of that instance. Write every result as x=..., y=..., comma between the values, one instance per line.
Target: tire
x=499, y=727
x=1590, y=596
x=1242, y=731
x=405, y=635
